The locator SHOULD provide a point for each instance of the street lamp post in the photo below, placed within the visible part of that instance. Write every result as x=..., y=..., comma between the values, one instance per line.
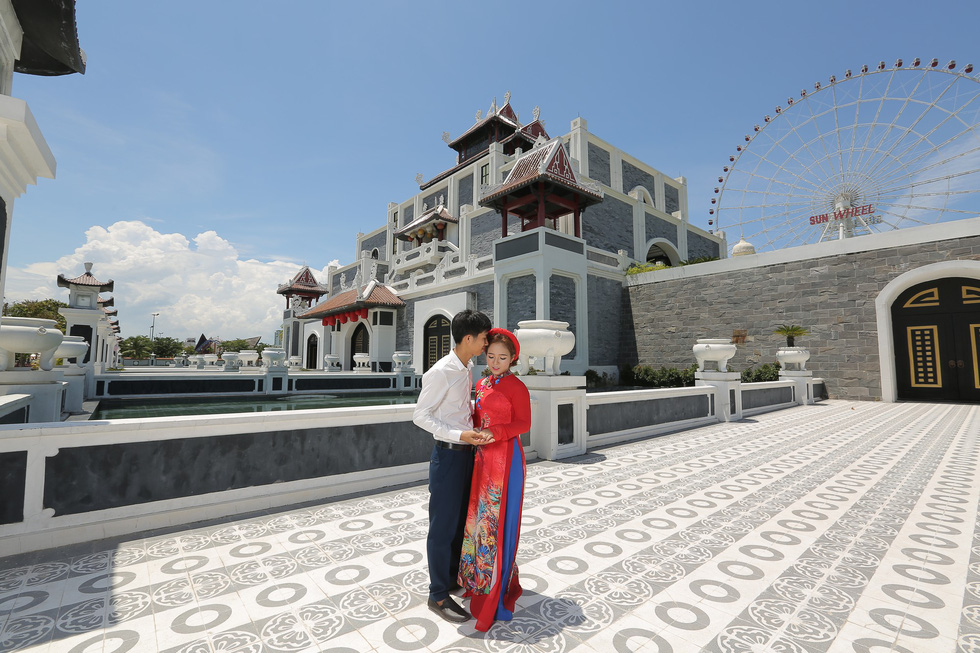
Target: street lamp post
x=152, y=325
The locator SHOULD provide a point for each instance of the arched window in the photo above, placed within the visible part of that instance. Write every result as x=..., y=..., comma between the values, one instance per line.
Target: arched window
x=437, y=339
x=375, y=253
x=657, y=255
x=312, y=348
x=360, y=342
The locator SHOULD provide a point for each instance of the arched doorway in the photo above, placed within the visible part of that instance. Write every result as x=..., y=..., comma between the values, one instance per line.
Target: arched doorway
x=312, y=346
x=360, y=342
x=437, y=339
x=936, y=335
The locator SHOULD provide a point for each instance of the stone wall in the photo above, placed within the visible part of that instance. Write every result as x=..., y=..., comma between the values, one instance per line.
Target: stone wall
x=562, y=303
x=832, y=296
x=599, y=164
x=464, y=193
x=672, y=199
x=633, y=177
x=520, y=300
x=609, y=226
x=659, y=228
x=698, y=245
x=605, y=297
x=379, y=240
x=485, y=228
x=405, y=319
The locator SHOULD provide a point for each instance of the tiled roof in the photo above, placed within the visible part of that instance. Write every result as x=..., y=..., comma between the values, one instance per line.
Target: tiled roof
x=549, y=161
x=103, y=302
x=86, y=280
x=303, y=282
x=432, y=215
x=502, y=114
x=346, y=301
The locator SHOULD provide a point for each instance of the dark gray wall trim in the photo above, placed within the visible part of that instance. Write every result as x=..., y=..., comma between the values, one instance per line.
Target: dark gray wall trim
x=765, y=397
x=83, y=479
x=511, y=248
x=609, y=418
x=13, y=477
x=554, y=240
x=179, y=386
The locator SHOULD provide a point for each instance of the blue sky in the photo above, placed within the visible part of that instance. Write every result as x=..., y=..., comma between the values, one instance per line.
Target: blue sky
x=285, y=128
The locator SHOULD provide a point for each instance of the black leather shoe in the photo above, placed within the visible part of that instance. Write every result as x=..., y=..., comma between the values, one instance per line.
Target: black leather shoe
x=450, y=610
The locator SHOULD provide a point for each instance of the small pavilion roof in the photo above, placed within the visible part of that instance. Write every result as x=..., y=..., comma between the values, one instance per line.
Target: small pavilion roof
x=103, y=302
x=374, y=295
x=86, y=279
x=304, y=283
x=50, y=45
x=505, y=114
x=110, y=311
x=436, y=214
x=548, y=162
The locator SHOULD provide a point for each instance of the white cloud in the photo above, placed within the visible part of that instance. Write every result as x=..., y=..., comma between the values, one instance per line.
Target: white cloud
x=198, y=285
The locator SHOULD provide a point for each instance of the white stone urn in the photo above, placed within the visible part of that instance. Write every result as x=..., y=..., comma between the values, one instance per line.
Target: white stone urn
x=29, y=335
x=716, y=350
x=362, y=362
x=232, y=361
x=196, y=360
x=72, y=347
x=401, y=360
x=331, y=362
x=210, y=359
x=274, y=357
x=545, y=341
x=795, y=356
x=248, y=357
x=295, y=361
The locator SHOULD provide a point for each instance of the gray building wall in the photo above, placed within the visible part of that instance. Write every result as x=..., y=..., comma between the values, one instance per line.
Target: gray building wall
x=379, y=240
x=485, y=228
x=672, y=199
x=832, y=296
x=464, y=191
x=698, y=245
x=405, y=319
x=659, y=228
x=633, y=177
x=605, y=297
x=520, y=300
x=609, y=225
x=432, y=199
x=562, y=302
x=408, y=214
x=599, y=164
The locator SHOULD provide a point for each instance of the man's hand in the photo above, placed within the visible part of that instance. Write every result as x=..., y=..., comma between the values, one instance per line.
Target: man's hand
x=487, y=436
x=471, y=437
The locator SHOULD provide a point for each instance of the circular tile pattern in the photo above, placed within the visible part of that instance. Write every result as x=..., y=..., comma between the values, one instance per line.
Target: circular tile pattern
x=557, y=511
x=903, y=623
x=760, y=552
x=280, y=595
x=633, y=535
x=796, y=525
x=307, y=536
x=567, y=565
x=914, y=596
x=584, y=502
x=921, y=574
x=740, y=570
x=105, y=582
x=184, y=565
x=659, y=523
x=603, y=549
x=347, y=575
x=714, y=590
x=251, y=550
x=355, y=525
x=411, y=634
x=118, y=641
x=200, y=619
x=682, y=615
x=778, y=537
x=402, y=558
x=24, y=601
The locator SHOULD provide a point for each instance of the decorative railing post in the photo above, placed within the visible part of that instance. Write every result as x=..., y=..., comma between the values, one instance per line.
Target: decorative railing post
x=728, y=385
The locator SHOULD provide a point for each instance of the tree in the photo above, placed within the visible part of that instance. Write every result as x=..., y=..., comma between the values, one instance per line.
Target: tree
x=792, y=332
x=167, y=347
x=42, y=308
x=136, y=347
x=239, y=344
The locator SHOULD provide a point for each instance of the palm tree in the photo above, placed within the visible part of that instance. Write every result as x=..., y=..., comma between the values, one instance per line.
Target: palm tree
x=791, y=331
x=136, y=347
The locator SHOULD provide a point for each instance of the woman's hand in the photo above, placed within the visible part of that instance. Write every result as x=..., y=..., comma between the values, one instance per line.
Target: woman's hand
x=487, y=436
x=472, y=437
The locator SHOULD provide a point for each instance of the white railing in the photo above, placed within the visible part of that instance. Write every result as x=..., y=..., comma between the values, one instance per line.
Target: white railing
x=425, y=254
x=450, y=268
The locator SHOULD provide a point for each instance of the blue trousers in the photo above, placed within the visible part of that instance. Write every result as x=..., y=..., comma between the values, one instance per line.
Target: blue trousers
x=450, y=475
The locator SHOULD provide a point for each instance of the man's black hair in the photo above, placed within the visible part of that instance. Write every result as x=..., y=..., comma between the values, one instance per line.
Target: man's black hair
x=469, y=323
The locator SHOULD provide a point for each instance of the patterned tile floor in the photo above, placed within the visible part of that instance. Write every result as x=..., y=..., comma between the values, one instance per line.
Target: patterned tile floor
x=837, y=527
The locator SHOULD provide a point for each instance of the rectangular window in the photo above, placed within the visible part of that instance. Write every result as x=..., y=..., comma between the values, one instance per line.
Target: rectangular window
x=485, y=174
x=394, y=217
x=387, y=318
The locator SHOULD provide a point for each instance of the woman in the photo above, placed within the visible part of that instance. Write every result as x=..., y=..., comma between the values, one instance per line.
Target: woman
x=488, y=568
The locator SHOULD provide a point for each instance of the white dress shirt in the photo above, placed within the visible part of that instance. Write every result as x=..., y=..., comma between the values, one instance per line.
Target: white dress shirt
x=444, y=408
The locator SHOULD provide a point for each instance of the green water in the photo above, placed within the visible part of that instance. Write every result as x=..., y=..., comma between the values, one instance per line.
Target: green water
x=139, y=408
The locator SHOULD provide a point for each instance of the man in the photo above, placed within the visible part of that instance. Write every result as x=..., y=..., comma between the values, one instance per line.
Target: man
x=445, y=411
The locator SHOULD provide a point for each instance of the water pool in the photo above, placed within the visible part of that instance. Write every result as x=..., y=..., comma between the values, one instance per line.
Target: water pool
x=166, y=407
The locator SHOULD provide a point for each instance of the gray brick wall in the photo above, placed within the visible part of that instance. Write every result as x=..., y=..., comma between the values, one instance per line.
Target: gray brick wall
x=633, y=177
x=698, y=245
x=609, y=225
x=432, y=199
x=485, y=228
x=379, y=241
x=562, y=302
x=520, y=300
x=660, y=228
x=408, y=214
x=605, y=298
x=672, y=199
x=405, y=319
x=832, y=296
x=464, y=192
x=599, y=164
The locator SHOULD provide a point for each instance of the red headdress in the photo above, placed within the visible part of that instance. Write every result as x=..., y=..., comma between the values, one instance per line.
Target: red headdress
x=510, y=336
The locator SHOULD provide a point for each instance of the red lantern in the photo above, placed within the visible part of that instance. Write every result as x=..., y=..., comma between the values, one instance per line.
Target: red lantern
x=325, y=321
x=363, y=313
x=332, y=320
x=342, y=318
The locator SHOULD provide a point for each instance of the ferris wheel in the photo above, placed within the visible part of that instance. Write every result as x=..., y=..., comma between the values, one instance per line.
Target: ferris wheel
x=885, y=148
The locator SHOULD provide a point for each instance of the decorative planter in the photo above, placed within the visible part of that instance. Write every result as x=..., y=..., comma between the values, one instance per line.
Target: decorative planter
x=72, y=347
x=28, y=335
x=273, y=356
x=716, y=350
x=210, y=359
x=331, y=362
x=545, y=341
x=401, y=360
x=232, y=361
x=196, y=360
x=248, y=357
x=795, y=356
x=362, y=362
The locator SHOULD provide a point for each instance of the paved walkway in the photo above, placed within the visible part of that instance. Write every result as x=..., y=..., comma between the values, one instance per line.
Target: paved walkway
x=837, y=527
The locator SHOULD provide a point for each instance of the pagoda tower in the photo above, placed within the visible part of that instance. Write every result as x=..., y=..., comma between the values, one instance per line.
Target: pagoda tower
x=301, y=293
